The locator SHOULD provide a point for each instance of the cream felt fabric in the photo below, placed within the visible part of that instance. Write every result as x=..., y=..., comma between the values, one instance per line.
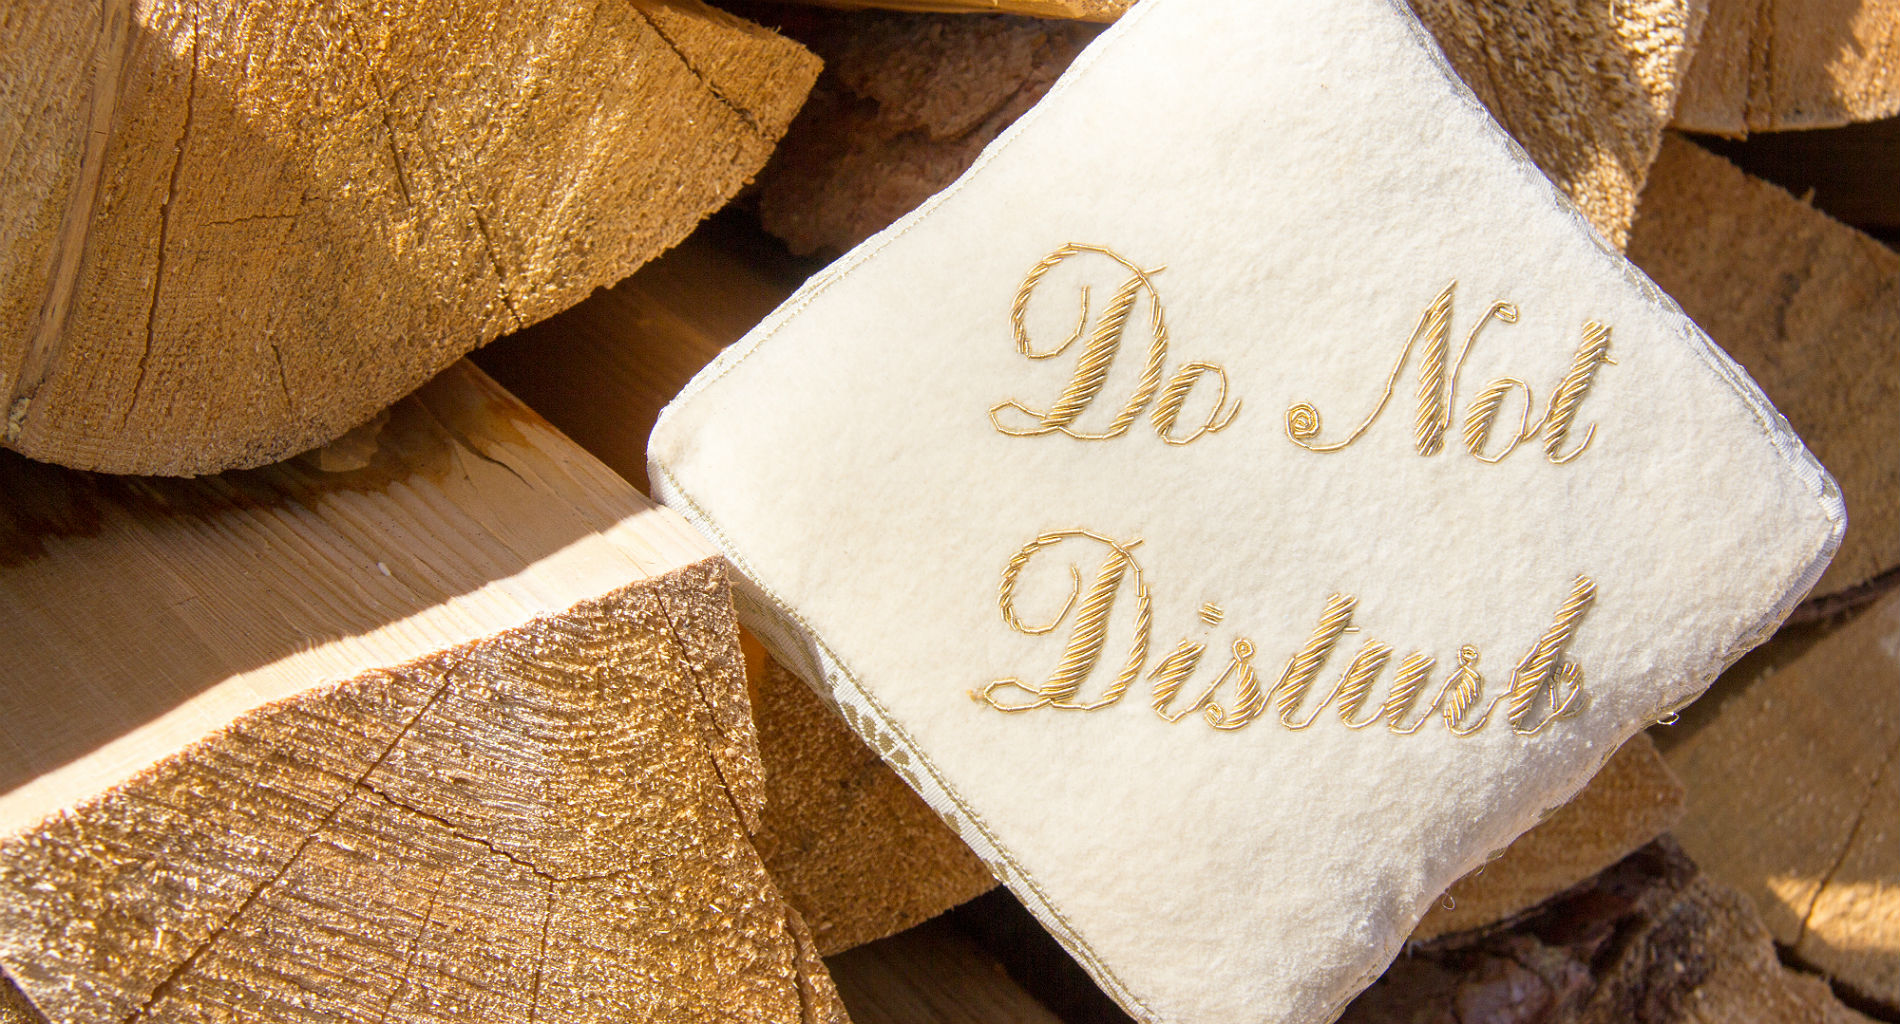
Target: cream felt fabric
x=1311, y=177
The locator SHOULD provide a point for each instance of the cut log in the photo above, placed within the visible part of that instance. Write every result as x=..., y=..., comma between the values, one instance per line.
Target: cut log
x=931, y=974
x=1794, y=794
x=854, y=850
x=1648, y=940
x=1810, y=308
x=851, y=847
x=1634, y=799
x=908, y=101
x=232, y=234
x=1772, y=65
x=441, y=722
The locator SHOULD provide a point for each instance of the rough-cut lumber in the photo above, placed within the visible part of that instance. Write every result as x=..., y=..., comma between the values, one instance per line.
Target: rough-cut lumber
x=1794, y=794
x=1810, y=308
x=1634, y=799
x=1772, y=65
x=931, y=974
x=1649, y=940
x=908, y=101
x=232, y=232
x=441, y=722
x=854, y=850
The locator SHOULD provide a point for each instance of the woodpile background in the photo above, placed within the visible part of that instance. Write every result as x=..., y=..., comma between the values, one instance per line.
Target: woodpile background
x=442, y=720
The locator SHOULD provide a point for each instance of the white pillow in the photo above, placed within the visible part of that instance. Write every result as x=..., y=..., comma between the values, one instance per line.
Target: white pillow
x=907, y=466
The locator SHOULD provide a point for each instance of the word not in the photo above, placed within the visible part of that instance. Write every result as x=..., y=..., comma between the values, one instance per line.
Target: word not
x=1092, y=366
x=1438, y=387
x=1545, y=686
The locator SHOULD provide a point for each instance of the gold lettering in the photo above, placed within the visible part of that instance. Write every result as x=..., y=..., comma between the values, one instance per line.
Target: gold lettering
x=1098, y=357
x=1090, y=633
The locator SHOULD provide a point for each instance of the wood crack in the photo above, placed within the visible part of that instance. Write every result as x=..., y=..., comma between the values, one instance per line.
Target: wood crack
x=494, y=261
x=745, y=116
x=171, y=977
x=111, y=52
x=1847, y=847
x=165, y=219
x=457, y=832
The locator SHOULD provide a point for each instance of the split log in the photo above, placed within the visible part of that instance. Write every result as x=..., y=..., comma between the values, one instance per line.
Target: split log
x=234, y=233
x=856, y=852
x=1810, y=307
x=1634, y=799
x=1649, y=940
x=931, y=974
x=908, y=101
x=443, y=721
x=1773, y=65
x=1794, y=794
x=852, y=848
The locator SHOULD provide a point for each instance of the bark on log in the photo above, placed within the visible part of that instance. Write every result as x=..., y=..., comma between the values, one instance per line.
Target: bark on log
x=443, y=721
x=854, y=850
x=1794, y=794
x=1773, y=65
x=1649, y=940
x=233, y=233
x=1634, y=799
x=1810, y=307
x=908, y=101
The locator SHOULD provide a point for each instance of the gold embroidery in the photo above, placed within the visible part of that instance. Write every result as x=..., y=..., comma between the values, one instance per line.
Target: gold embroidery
x=1247, y=700
x=1534, y=671
x=1098, y=356
x=1483, y=412
x=1168, y=409
x=1355, y=686
x=1304, y=666
x=1413, y=672
x=1090, y=633
x=1171, y=673
x=1438, y=377
x=1542, y=675
x=1564, y=401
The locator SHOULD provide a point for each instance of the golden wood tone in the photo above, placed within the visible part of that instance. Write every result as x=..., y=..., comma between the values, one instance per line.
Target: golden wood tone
x=234, y=232
x=855, y=851
x=441, y=722
x=1810, y=308
x=1773, y=65
x=1794, y=794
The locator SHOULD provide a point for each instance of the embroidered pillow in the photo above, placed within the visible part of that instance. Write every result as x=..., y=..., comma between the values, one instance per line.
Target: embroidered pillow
x=1245, y=500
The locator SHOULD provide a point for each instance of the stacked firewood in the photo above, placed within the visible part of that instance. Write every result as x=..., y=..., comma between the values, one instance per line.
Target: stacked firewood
x=443, y=719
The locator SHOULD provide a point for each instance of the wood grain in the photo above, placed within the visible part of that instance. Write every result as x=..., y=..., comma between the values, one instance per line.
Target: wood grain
x=1810, y=308
x=854, y=850
x=235, y=232
x=442, y=722
x=1774, y=65
x=1794, y=795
